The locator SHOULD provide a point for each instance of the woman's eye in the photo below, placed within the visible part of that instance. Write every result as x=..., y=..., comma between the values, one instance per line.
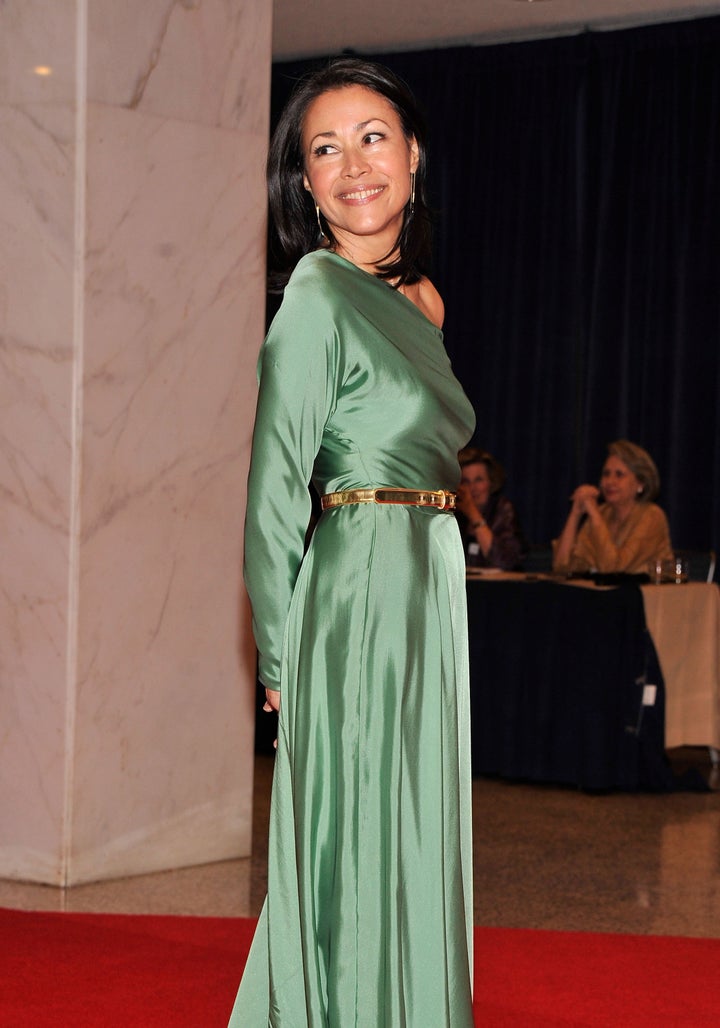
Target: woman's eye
x=322, y=149
x=373, y=137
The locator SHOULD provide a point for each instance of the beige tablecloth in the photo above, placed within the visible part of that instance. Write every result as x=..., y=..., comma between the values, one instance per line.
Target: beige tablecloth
x=684, y=622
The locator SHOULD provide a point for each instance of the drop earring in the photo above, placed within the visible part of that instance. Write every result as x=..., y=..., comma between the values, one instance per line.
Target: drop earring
x=412, y=192
x=317, y=215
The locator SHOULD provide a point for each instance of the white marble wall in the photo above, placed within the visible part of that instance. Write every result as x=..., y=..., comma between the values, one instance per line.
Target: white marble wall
x=132, y=218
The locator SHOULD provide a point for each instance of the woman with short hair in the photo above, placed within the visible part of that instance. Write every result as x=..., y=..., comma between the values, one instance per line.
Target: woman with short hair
x=616, y=527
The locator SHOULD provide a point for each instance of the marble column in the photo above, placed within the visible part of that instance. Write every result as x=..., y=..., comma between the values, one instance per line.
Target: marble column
x=132, y=214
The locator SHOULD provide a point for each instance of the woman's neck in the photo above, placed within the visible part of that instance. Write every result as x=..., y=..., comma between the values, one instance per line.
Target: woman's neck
x=367, y=253
x=621, y=514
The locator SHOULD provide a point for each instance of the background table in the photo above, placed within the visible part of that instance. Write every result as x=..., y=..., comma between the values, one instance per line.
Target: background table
x=557, y=682
x=684, y=622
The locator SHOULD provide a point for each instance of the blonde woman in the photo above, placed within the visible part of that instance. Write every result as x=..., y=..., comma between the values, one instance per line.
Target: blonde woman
x=616, y=527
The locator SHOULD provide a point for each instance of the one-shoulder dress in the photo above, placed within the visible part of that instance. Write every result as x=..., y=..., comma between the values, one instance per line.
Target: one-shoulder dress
x=368, y=917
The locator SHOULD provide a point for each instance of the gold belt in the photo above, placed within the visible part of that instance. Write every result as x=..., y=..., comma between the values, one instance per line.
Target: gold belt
x=439, y=498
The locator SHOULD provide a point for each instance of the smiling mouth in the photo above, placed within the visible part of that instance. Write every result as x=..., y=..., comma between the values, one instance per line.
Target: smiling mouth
x=361, y=195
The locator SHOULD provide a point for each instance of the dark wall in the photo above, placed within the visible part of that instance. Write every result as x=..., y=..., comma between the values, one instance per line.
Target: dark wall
x=578, y=251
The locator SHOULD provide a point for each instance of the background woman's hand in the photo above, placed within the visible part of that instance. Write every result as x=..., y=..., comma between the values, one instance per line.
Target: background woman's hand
x=585, y=498
x=466, y=505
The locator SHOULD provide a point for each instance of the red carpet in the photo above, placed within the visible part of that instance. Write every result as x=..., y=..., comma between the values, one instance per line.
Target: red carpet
x=102, y=970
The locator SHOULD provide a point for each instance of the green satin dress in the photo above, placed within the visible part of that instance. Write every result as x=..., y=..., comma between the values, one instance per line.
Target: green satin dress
x=368, y=918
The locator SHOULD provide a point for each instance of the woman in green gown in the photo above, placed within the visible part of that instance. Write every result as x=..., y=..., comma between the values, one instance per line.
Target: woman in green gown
x=362, y=640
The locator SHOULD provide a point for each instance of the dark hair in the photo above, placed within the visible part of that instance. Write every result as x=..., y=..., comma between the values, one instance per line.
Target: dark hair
x=495, y=470
x=293, y=223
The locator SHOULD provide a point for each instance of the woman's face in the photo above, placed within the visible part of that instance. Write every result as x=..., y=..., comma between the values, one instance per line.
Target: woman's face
x=618, y=484
x=358, y=163
x=476, y=480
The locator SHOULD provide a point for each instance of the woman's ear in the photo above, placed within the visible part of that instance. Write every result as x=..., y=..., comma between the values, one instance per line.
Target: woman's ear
x=306, y=183
x=414, y=155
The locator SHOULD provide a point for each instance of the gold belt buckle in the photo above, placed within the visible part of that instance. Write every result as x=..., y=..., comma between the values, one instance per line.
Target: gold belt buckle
x=447, y=500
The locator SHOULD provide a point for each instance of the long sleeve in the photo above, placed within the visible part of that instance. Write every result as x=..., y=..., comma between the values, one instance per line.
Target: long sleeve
x=645, y=538
x=508, y=547
x=296, y=375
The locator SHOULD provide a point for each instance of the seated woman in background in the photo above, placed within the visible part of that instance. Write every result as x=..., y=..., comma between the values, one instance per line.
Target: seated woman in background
x=491, y=531
x=626, y=531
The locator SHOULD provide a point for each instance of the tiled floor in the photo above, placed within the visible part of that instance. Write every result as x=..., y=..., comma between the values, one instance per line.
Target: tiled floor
x=544, y=858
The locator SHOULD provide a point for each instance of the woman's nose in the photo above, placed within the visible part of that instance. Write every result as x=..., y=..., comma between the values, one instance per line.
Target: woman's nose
x=355, y=164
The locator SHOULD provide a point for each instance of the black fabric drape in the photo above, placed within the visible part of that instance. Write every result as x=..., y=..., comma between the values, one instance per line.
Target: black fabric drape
x=577, y=251
x=652, y=285
x=557, y=674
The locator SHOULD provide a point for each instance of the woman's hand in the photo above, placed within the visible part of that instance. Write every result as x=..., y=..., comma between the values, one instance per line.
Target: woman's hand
x=466, y=505
x=584, y=499
x=272, y=700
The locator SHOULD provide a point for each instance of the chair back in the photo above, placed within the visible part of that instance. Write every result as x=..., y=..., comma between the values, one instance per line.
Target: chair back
x=701, y=564
x=538, y=559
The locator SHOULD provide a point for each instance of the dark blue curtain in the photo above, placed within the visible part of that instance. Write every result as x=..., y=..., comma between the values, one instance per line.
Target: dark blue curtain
x=577, y=185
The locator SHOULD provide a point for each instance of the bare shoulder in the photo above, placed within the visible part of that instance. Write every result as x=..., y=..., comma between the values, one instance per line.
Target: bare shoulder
x=425, y=296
